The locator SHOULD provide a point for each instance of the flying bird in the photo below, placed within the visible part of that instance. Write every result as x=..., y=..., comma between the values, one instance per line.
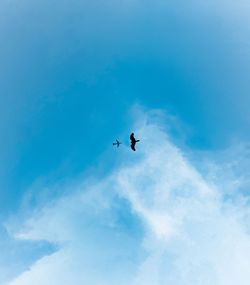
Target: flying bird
x=133, y=141
x=117, y=143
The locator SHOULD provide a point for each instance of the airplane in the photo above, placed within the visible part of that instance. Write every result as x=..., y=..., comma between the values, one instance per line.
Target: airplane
x=133, y=141
x=117, y=143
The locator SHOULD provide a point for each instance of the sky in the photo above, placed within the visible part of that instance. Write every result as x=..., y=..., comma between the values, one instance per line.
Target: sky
x=75, y=76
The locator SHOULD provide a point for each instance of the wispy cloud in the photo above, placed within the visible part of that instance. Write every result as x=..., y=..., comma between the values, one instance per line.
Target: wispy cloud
x=154, y=220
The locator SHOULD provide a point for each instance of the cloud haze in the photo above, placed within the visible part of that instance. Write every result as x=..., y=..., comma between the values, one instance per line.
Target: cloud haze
x=169, y=213
x=154, y=220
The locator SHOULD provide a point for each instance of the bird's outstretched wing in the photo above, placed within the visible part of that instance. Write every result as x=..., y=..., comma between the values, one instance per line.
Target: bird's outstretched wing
x=133, y=147
x=132, y=138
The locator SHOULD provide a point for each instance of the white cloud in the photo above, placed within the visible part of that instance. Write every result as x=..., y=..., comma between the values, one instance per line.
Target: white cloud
x=155, y=221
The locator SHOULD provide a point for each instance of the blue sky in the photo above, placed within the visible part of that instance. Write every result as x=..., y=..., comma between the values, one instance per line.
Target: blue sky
x=76, y=75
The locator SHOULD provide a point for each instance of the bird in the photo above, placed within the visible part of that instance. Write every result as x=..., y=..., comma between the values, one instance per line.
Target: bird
x=133, y=141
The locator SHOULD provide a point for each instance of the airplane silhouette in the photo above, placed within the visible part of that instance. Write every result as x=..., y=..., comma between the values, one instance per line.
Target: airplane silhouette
x=117, y=143
x=133, y=141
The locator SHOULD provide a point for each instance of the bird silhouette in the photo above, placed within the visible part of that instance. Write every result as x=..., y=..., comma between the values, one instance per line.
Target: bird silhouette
x=133, y=141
